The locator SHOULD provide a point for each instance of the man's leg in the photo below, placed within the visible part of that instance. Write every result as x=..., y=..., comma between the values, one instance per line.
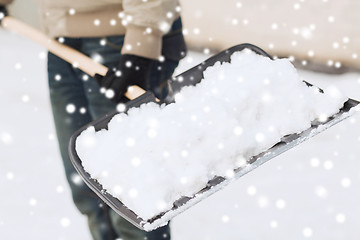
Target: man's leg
x=69, y=105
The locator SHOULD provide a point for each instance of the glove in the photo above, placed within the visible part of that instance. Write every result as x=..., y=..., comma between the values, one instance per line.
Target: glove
x=131, y=70
x=3, y=13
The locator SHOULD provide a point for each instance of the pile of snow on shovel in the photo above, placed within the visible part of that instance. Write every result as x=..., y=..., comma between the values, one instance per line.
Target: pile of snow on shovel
x=153, y=155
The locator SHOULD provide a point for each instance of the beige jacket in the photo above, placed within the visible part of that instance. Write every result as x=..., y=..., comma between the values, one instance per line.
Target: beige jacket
x=144, y=21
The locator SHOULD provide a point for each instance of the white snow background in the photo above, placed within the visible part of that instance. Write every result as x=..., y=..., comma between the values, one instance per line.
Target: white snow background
x=309, y=192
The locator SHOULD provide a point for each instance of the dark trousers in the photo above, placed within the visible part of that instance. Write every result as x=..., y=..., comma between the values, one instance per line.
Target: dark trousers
x=76, y=101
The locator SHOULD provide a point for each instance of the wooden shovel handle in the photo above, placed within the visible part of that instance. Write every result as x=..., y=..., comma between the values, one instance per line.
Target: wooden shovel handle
x=66, y=53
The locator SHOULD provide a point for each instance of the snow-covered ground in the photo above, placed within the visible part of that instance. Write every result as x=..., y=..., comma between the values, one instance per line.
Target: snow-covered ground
x=310, y=192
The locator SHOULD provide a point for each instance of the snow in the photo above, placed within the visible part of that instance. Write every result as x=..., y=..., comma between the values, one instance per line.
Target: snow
x=319, y=199
x=239, y=110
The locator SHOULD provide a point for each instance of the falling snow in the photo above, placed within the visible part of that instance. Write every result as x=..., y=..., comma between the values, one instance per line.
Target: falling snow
x=33, y=202
x=59, y=189
x=65, y=222
x=307, y=232
x=70, y=108
x=7, y=138
x=274, y=224
x=346, y=182
x=251, y=190
x=10, y=176
x=340, y=218
x=280, y=204
x=242, y=209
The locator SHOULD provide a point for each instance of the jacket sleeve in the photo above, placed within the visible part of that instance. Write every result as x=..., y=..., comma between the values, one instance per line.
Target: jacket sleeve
x=146, y=21
x=5, y=2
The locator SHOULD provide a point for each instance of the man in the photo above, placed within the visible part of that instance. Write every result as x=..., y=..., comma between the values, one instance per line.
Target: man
x=141, y=42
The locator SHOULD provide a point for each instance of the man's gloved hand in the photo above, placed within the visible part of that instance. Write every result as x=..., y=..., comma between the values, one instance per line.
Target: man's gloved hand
x=132, y=70
x=3, y=13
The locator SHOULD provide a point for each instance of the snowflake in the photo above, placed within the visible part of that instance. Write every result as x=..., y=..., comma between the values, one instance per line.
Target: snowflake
x=328, y=165
x=113, y=22
x=109, y=93
x=85, y=77
x=161, y=205
x=206, y=51
x=51, y=136
x=340, y=218
x=76, y=179
x=133, y=193
x=240, y=162
x=32, y=202
x=321, y=192
x=225, y=219
x=251, y=190
x=18, y=66
x=220, y=146
x=59, y=189
x=164, y=26
x=6, y=138
x=169, y=15
x=259, y=137
x=184, y=153
x=97, y=22
x=335, y=45
x=42, y=55
x=183, y=180
x=166, y=154
x=10, y=175
x=70, y=108
x=306, y=33
x=102, y=42
x=238, y=130
x=82, y=110
x=330, y=62
x=280, y=204
x=296, y=6
x=314, y=162
x=72, y=11
x=307, y=232
x=230, y=173
x=75, y=64
x=130, y=142
x=65, y=222
x=235, y=21
x=338, y=64
x=117, y=190
x=57, y=77
x=346, y=40
x=97, y=58
x=135, y=161
x=311, y=53
x=263, y=202
x=274, y=224
x=346, y=182
x=196, y=31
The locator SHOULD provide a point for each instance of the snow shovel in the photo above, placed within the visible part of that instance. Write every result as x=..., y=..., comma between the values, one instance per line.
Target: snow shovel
x=190, y=77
